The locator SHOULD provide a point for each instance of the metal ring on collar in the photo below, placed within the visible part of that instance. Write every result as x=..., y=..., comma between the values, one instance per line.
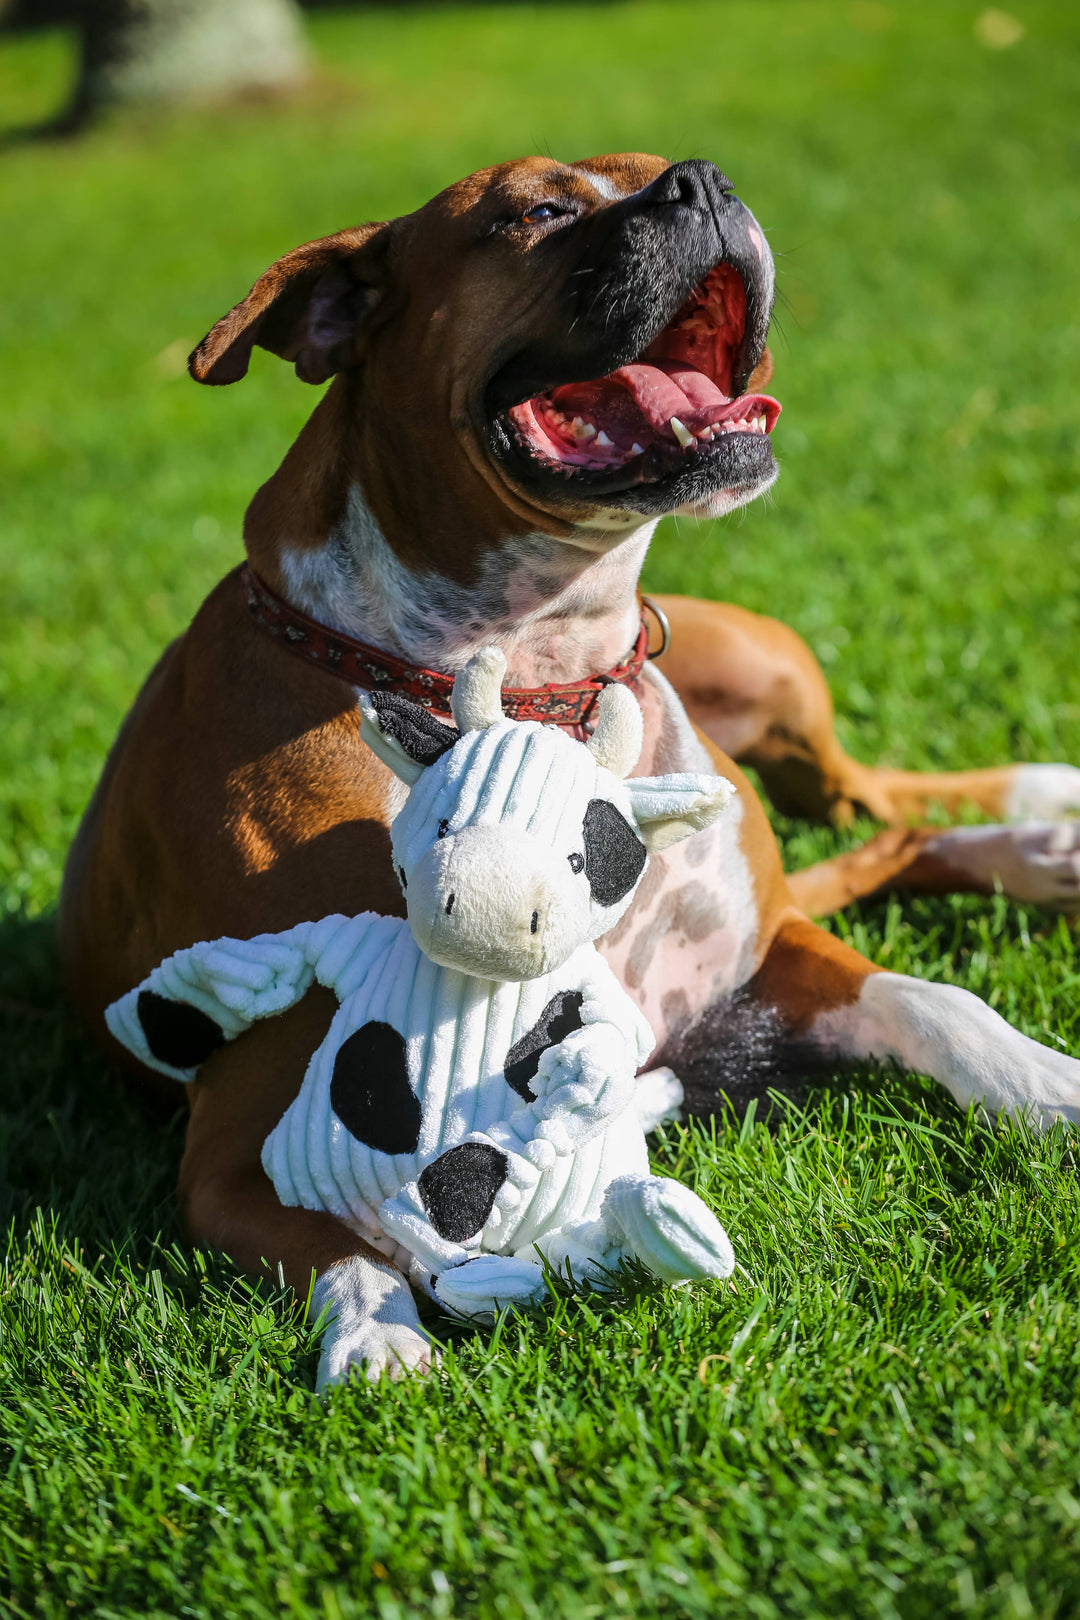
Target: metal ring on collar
x=665, y=627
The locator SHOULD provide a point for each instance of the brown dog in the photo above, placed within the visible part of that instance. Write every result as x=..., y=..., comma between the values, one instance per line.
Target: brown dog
x=528, y=372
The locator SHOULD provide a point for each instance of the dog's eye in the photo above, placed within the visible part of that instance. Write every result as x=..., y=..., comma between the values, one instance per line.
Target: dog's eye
x=540, y=214
x=404, y=879
x=577, y=862
x=444, y=828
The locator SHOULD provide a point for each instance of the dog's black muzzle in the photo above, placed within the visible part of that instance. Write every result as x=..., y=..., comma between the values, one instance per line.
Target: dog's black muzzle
x=636, y=263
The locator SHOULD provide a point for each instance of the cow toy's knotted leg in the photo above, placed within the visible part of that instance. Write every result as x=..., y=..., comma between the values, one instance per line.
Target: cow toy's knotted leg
x=481, y=1287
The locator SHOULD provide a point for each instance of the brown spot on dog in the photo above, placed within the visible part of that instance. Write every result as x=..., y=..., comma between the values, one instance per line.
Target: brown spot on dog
x=675, y=1010
x=644, y=947
x=699, y=912
x=693, y=912
x=697, y=850
x=648, y=889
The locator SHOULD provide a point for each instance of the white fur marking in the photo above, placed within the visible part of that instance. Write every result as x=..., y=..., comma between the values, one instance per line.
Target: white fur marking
x=557, y=610
x=949, y=1034
x=600, y=182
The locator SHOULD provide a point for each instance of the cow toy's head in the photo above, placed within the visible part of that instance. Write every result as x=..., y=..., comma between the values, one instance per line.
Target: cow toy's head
x=517, y=844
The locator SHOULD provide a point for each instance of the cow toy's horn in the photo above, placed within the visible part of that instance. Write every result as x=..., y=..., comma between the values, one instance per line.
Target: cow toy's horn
x=620, y=731
x=477, y=695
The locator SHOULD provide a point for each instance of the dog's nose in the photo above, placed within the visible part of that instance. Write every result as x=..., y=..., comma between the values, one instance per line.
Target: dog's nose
x=693, y=184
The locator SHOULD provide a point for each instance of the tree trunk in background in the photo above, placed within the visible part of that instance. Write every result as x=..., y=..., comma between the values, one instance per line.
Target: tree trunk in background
x=172, y=50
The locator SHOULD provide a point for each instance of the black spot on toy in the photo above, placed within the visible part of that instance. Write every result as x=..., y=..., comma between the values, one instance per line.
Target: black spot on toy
x=370, y=1091
x=176, y=1032
x=423, y=738
x=614, y=854
x=458, y=1189
x=560, y=1018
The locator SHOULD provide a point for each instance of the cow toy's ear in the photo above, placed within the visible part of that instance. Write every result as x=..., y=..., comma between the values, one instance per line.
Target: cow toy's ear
x=668, y=809
x=405, y=736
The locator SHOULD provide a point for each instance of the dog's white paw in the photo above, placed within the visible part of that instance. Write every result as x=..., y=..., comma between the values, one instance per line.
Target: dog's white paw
x=1043, y=793
x=1053, y=1080
x=373, y=1326
x=395, y=1351
x=658, y=1097
x=1036, y=861
x=1020, y=1076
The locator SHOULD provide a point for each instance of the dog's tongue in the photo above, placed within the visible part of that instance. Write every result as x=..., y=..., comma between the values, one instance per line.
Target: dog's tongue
x=664, y=388
x=660, y=389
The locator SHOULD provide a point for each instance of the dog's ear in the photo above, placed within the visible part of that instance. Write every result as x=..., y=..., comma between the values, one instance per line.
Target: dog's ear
x=309, y=308
x=761, y=375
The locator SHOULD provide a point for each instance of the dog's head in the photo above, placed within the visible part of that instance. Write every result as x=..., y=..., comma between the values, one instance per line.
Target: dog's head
x=575, y=347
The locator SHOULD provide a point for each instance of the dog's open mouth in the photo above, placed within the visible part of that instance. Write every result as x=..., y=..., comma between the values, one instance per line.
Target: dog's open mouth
x=670, y=404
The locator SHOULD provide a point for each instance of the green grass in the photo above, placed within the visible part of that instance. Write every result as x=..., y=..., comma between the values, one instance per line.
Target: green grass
x=889, y=1422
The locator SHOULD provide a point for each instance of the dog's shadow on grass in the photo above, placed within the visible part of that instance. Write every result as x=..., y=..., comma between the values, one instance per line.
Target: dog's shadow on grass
x=75, y=1140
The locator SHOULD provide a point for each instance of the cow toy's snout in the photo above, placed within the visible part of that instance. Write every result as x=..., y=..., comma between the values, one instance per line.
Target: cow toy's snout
x=497, y=903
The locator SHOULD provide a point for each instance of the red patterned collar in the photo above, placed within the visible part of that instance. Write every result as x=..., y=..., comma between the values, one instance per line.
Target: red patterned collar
x=369, y=667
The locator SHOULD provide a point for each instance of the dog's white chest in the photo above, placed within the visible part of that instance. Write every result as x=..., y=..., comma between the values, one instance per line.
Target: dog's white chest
x=690, y=937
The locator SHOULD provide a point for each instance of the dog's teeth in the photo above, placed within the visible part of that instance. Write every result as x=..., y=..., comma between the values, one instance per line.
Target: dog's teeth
x=637, y=449
x=706, y=435
x=763, y=426
x=683, y=434
x=603, y=441
x=583, y=430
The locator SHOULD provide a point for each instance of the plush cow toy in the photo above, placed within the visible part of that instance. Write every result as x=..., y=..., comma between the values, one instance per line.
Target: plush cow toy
x=474, y=1105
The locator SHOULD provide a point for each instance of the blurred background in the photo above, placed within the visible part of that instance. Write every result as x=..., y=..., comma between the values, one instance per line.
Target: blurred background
x=915, y=167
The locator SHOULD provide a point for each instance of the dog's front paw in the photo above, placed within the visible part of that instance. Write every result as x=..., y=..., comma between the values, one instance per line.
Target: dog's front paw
x=372, y=1325
x=395, y=1351
x=658, y=1098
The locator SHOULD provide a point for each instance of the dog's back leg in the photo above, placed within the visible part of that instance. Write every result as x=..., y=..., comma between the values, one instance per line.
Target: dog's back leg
x=1037, y=862
x=828, y=1003
x=229, y=1203
x=754, y=687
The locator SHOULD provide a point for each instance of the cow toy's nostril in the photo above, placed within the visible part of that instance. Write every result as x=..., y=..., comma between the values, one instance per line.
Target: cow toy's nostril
x=535, y=924
x=449, y=905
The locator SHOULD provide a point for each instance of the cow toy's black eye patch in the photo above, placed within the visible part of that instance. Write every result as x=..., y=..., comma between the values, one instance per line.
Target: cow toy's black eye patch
x=423, y=738
x=177, y=1033
x=614, y=854
x=458, y=1190
x=370, y=1091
